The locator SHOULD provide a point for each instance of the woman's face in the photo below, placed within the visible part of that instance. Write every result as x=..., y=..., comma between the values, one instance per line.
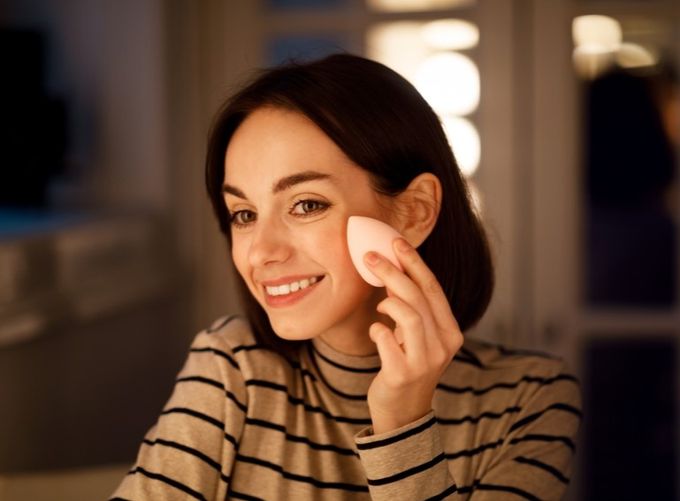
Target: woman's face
x=289, y=190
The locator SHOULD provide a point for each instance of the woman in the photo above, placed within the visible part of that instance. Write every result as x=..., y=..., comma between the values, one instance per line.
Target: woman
x=331, y=388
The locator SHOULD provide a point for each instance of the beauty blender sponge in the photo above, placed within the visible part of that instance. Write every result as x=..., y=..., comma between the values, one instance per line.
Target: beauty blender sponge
x=366, y=234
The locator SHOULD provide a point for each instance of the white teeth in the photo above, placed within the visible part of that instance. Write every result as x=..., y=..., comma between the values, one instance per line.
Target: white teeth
x=284, y=289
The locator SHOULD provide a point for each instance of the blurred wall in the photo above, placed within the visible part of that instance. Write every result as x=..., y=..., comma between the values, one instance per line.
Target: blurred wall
x=107, y=60
x=141, y=81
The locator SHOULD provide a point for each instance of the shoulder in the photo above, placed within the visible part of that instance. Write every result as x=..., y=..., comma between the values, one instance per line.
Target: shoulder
x=232, y=339
x=491, y=370
x=231, y=332
x=496, y=358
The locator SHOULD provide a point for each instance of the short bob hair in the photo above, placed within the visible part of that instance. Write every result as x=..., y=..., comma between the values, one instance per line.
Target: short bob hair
x=384, y=126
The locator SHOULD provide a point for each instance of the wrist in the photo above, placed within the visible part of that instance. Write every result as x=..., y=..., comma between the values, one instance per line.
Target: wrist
x=387, y=422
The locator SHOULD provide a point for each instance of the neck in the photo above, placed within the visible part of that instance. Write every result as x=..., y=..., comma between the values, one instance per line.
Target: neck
x=351, y=336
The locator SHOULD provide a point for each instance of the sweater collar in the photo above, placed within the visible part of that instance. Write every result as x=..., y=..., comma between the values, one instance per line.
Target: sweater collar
x=349, y=376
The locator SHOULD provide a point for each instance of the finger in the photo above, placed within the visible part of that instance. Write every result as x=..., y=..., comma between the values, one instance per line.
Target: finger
x=397, y=282
x=411, y=324
x=392, y=358
x=400, y=285
x=427, y=282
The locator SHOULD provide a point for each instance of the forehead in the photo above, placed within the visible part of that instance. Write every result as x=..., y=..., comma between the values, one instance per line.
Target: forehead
x=272, y=143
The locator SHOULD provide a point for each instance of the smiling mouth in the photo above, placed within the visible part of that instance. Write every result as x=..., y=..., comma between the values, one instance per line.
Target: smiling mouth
x=292, y=287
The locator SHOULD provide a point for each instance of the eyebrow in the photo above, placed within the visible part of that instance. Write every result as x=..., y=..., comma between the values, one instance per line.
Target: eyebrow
x=284, y=183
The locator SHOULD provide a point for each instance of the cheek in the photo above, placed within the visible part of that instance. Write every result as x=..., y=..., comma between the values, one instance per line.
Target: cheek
x=332, y=244
x=240, y=258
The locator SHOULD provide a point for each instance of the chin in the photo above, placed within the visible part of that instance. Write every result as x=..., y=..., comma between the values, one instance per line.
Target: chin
x=294, y=330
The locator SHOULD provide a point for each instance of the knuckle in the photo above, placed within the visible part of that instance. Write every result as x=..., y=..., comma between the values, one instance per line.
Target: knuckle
x=457, y=340
x=412, y=257
x=440, y=359
x=432, y=286
x=455, y=343
x=412, y=320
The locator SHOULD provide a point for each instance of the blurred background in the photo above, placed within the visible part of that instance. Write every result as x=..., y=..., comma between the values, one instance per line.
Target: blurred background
x=564, y=116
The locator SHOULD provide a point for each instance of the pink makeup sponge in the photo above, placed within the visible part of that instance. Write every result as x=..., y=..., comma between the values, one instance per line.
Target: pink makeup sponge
x=366, y=234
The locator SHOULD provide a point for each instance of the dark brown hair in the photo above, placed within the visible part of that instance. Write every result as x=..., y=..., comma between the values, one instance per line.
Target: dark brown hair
x=384, y=126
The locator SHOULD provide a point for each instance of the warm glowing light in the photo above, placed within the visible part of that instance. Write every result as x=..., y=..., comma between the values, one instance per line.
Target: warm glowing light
x=597, y=33
x=398, y=45
x=417, y=5
x=590, y=64
x=464, y=140
x=631, y=55
x=449, y=82
x=450, y=34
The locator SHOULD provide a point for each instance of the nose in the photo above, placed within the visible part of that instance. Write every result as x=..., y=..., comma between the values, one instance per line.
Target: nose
x=270, y=243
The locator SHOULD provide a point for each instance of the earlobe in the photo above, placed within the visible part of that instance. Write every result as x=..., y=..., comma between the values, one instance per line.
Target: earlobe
x=419, y=208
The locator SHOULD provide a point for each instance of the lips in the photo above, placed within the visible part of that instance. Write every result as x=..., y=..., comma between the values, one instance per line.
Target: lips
x=289, y=290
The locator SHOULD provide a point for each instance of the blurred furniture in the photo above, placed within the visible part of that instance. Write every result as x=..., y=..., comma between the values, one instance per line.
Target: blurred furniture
x=93, y=328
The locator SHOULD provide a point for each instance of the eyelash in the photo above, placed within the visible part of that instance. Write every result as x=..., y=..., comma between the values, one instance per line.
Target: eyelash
x=322, y=206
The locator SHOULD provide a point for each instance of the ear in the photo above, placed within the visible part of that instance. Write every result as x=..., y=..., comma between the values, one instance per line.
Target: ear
x=418, y=208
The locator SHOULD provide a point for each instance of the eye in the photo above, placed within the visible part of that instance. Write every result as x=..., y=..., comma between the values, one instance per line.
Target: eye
x=242, y=218
x=308, y=207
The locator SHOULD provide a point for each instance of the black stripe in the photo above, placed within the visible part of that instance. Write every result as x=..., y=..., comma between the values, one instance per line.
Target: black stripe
x=191, y=412
x=473, y=452
x=465, y=360
x=327, y=384
x=215, y=422
x=201, y=379
x=509, y=386
x=367, y=370
x=506, y=488
x=169, y=481
x=545, y=438
x=293, y=364
x=190, y=450
x=407, y=473
x=533, y=417
x=216, y=384
x=225, y=321
x=446, y=492
x=310, y=408
x=267, y=384
x=217, y=352
x=239, y=495
x=298, y=439
x=476, y=419
x=523, y=352
x=342, y=394
x=250, y=347
x=550, y=469
x=408, y=433
x=471, y=357
x=302, y=478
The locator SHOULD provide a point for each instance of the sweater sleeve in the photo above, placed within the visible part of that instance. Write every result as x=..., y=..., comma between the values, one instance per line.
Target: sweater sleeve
x=535, y=458
x=532, y=461
x=189, y=452
x=406, y=463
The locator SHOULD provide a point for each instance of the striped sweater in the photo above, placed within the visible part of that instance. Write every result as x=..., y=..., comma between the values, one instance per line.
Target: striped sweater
x=245, y=423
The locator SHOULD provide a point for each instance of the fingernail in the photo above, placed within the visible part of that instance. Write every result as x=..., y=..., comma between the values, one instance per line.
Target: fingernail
x=372, y=258
x=403, y=245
